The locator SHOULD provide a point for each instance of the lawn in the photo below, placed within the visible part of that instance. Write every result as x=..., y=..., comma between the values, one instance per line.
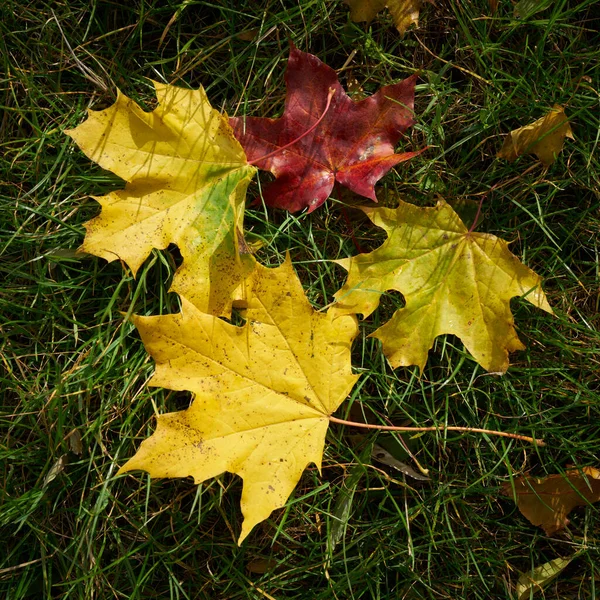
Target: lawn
x=75, y=405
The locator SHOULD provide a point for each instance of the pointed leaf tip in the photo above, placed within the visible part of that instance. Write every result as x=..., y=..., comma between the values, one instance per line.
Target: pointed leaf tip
x=539, y=577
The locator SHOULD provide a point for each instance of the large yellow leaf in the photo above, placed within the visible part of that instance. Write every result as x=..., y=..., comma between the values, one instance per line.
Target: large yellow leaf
x=453, y=281
x=545, y=138
x=186, y=182
x=404, y=12
x=547, y=501
x=262, y=392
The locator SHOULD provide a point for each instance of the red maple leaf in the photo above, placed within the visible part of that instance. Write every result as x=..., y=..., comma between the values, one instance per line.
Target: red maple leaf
x=353, y=144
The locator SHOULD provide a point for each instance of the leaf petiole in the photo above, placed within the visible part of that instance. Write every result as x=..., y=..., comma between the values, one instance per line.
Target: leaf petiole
x=515, y=436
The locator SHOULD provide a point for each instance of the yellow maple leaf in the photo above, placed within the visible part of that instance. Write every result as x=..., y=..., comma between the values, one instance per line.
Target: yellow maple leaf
x=186, y=182
x=263, y=392
x=453, y=280
x=545, y=138
x=404, y=12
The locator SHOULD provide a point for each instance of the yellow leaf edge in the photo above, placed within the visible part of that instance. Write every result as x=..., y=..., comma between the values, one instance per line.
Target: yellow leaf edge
x=512, y=147
x=540, y=576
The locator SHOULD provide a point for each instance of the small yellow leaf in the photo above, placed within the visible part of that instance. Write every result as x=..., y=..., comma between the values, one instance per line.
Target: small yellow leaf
x=539, y=577
x=74, y=439
x=57, y=468
x=544, y=138
x=186, y=180
x=262, y=392
x=453, y=280
x=404, y=12
x=547, y=502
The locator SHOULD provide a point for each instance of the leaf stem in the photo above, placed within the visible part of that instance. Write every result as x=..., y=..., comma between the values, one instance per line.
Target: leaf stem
x=329, y=97
x=338, y=191
x=476, y=219
x=514, y=436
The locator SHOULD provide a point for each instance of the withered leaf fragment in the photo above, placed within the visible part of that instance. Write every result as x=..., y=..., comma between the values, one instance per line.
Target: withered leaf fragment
x=547, y=502
x=404, y=12
x=539, y=577
x=545, y=138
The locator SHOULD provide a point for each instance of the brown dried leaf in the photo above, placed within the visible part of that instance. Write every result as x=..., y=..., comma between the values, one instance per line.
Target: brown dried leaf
x=404, y=12
x=74, y=439
x=547, y=502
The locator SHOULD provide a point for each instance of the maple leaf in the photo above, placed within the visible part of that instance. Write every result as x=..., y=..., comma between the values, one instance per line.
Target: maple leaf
x=404, y=12
x=262, y=392
x=545, y=138
x=453, y=280
x=547, y=502
x=186, y=181
x=353, y=144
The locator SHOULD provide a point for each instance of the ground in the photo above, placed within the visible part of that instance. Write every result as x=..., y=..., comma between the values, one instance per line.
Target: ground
x=75, y=404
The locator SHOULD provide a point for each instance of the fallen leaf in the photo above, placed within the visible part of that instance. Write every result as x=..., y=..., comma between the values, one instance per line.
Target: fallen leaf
x=57, y=468
x=248, y=35
x=263, y=392
x=537, y=578
x=547, y=502
x=74, y=439
x=342, y=509
x=545, y=138
x=527, y=8
x=404, y=12
x=261, y=565
x=453, y=280
x=380, y=454
x=353, y=145
x=186, y=181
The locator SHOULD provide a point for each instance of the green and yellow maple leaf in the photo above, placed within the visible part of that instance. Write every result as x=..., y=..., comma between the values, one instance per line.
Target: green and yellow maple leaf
x=453, y=280
x=263, y=392
x=186, y=180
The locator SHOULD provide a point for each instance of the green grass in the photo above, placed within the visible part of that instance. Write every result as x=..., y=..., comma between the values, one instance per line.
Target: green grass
x=69, y=361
